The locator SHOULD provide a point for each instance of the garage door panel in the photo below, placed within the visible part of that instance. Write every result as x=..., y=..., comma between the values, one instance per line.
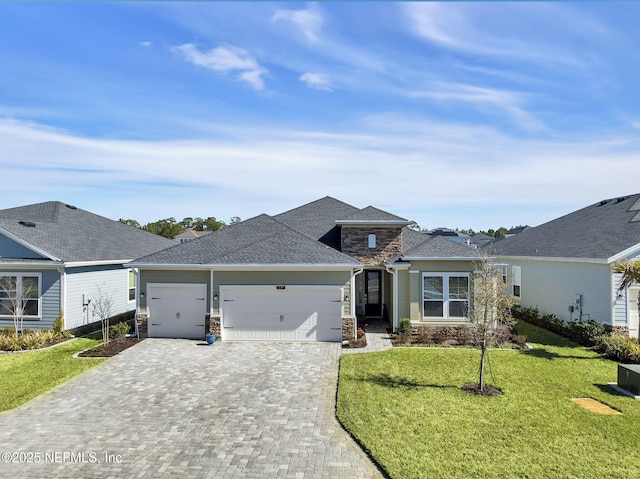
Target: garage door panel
x=177, y=311
x=287, y=315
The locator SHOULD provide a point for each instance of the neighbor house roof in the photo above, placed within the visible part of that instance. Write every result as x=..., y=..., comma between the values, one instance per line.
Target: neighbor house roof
x=62, y=232
x=440, y=247
x=600, y=231
x=262, y=240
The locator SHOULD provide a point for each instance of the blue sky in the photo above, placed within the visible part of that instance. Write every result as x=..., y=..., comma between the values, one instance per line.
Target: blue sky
x=470, y=115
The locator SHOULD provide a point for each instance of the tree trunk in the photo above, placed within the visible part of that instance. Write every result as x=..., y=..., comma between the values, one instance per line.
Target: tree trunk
x=482, y=358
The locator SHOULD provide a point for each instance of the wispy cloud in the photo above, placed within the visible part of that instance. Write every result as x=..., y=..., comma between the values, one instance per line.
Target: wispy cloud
x=308, y=20
x=484, y=99
x=318, y=81
x=226, y=59
x=259, y=169
x=145, y=44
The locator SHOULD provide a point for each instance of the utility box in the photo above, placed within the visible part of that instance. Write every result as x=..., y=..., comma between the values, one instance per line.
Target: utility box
x=629, y=377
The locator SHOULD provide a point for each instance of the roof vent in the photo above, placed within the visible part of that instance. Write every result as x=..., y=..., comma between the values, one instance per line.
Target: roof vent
x=620, y=200
x=28, y=224
x=603, y=202
x=71, y=207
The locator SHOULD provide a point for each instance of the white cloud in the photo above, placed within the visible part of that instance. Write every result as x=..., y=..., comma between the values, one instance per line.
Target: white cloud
x=319, y=81
x=308, y=20
x=484, y=98
x=226, y=59
x=431, y=171
x=145, y=44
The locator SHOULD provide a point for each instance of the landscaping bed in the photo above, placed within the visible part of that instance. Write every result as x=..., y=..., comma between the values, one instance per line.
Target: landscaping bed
x=112, y=348
x=451, y=336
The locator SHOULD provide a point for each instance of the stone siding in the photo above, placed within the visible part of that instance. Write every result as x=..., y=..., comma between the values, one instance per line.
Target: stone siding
x=622, y=330
x=212, y=325
x=348, y=329
x=143, y=327
x=355, y=243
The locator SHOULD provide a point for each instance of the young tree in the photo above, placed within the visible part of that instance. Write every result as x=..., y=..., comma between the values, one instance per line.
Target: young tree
x=490, y=308
x=102, y=305
x=17, y=298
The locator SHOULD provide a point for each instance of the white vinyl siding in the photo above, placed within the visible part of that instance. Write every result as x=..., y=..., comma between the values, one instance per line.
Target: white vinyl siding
x=83, y=284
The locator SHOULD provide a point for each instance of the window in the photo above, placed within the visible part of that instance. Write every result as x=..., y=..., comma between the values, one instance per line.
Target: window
x=445, y=295
x=20, y=295
x=372, y=241
x=517, y=280
x=132, y=286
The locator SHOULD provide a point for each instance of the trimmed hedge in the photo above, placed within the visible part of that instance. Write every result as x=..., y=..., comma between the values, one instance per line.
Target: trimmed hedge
x=590, y=333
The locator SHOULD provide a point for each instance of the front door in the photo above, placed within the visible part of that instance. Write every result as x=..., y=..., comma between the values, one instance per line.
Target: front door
x=373, y=293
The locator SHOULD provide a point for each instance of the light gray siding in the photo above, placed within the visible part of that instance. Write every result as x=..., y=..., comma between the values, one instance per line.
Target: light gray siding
x=11, y=249
x=403, y=294
x=552, y=286
x=338, y=278
x=50, y=300
x=113, y=281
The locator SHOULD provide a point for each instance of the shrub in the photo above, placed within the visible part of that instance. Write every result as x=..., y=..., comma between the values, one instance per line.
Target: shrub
x=443, y=334
x=464, y=335
x=619, y=348
x=119, y=331
x=9, y=331
x=587, y=333
x=58, y=324
x=405, y=326
x=424, y=334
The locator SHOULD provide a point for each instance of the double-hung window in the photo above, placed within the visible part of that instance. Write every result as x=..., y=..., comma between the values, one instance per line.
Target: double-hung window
x=516, y=274
x=20, y=295
x=132, y=285
x=445, y=295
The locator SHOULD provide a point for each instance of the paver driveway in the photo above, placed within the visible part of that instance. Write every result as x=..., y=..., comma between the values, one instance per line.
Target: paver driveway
x=176, y=408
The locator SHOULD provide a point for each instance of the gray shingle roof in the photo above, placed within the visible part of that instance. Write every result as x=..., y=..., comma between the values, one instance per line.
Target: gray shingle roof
x=440, y=247
x=72, y=234
x=318, y=219
x=259, y=240
x=372, y=214
x=599, y=231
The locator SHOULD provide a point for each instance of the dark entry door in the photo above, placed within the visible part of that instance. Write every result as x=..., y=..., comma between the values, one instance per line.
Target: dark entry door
x=373, y=293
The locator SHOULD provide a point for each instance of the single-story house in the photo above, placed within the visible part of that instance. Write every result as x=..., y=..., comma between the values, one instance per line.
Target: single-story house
x=56, y=257
x=564, y=267
x=304, y=275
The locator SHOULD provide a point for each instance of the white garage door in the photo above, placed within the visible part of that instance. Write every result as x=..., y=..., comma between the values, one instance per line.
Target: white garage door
x=271, y=313
x=177, y=310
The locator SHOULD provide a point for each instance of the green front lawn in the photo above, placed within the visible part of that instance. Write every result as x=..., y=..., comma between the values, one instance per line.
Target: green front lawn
x=406, y=408
x=24, y=376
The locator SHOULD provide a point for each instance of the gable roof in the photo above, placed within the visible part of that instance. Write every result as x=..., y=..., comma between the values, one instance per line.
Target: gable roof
x=440, y=247
x=62, y=232
x=262, y=240
x=318, y=219
x=372, y=216
x=600, y=231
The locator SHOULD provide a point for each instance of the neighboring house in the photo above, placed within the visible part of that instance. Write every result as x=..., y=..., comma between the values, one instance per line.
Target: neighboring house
x=188, y=234
x=516, y=231
x=564, y=267
x=65, y=255
x=481, y=239
x=451, y=234
x=304, y=275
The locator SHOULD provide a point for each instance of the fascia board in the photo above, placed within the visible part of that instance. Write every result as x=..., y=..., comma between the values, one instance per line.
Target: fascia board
x=554, y=259
x=247, y=267
x=624, y=254
x=443, y=258
x=27, y=245
x=78, y=264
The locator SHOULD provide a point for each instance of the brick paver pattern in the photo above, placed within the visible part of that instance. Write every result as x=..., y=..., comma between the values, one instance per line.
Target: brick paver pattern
x=179, y=408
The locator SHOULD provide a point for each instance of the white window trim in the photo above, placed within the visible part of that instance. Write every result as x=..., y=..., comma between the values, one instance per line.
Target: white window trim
x=19, y=277
x=516, y=280
x=445, y=296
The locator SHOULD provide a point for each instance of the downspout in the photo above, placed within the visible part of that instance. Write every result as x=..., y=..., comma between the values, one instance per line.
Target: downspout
x=136, y=273
x=63, y=294
x=394, y=315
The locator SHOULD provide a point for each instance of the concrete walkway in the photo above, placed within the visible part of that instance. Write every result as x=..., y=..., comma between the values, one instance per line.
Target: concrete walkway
x=177, y=408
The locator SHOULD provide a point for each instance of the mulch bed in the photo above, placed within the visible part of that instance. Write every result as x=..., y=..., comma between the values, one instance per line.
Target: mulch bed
x=488, y=390
x=114, y=347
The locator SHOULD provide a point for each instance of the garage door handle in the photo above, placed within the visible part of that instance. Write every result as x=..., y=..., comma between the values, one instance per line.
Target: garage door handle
x=336, y=328
x=156, y=324
x=200, y=325
x=227, y=327
x=336, y=301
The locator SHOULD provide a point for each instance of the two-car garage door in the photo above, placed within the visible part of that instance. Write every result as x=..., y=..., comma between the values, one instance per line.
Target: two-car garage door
x=281, y=313
x=262, y=313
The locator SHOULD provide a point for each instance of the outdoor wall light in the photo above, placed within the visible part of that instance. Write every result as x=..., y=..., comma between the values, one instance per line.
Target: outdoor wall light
x=215, y=297
x=346, y=297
